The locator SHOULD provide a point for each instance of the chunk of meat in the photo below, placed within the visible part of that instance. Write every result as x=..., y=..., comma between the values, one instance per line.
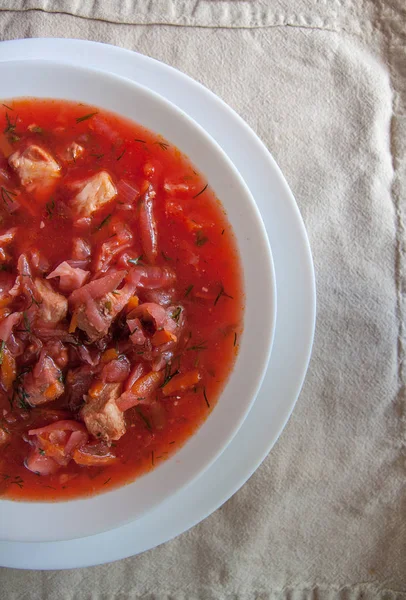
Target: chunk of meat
x=93, y=319
x=70, y=278
x=36, y=168
x=53, y=307
x=101, y=415
x=58, y=352
x=95, y=192
x=43, y=384
x=97, y=303
x=78, y=382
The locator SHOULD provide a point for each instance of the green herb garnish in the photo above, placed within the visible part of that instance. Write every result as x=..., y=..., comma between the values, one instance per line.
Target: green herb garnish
x=222, y=293
x=7, y=195
x=41, y=451
x=86, y=117
x=26, y=322
x=165, y=256
x=9, y=107
x=169, y=377
x=121, y=155
x=50, y=206
x=2, y=346
x=200, y=346
x=135, y=261
x=162, y=145
x=205, y=397
x=201, y=191
x=103, y=223
x=143, y=417
x=201, y=239
x=235, y=339
x=140, y=141
x=188, y=290
x=176, y=314
x=10, y=126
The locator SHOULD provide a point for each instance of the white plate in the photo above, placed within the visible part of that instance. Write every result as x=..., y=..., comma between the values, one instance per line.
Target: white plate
x=294, y=326
x=55, y=521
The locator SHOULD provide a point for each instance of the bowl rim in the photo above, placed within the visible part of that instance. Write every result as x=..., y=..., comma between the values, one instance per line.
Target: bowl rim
x=270, y=292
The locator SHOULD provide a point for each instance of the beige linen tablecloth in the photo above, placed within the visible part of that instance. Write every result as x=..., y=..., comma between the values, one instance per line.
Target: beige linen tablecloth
x=323, y=83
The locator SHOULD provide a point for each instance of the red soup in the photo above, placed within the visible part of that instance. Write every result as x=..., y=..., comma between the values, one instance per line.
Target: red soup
x=120, y=300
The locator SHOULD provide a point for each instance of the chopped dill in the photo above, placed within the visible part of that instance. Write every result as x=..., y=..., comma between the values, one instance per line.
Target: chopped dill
x=86, y=117
x=201, y=191
x=201, y=239
x=205, y=397
x=7, y=195
x=222, y=293
x=162, y=145
x=188, y=290
x=105, y=221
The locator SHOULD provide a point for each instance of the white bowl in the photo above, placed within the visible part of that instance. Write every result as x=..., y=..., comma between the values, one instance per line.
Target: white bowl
x=43, y=521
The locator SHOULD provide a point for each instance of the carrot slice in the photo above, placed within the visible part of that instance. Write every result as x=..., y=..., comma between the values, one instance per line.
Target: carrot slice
x=52, y=390
x=142, y=389
x=132, y=303
x=96, y=389
x=73, y=323
x=162, y=337
x=147, y=384
x=109, y=355
x=5, y=302
x=92, y=460
x=5, y=147
x=181, y=382
x=8, y=369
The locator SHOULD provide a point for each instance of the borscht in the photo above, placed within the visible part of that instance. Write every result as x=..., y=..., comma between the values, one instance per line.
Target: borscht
x=121, y=300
